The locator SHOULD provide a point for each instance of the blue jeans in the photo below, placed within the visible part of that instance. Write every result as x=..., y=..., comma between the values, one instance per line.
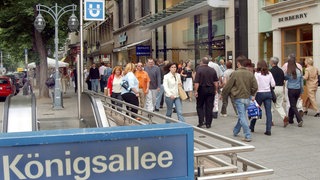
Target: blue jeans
x=242, y=105
x=94, y=84
x=159, y=97
x=265, y=98
x=177, y=102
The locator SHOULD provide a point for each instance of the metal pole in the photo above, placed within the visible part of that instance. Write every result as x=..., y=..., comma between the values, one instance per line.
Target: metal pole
x=57, y=92
x=80, y=62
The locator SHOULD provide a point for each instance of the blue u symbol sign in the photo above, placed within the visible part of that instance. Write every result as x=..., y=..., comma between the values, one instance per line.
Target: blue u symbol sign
x=94, y=10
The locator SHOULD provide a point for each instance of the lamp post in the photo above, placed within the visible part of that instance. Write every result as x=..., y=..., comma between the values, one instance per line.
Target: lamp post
x=56, y=12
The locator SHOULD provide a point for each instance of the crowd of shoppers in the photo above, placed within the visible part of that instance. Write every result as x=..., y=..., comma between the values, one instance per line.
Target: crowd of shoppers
x=150, y=85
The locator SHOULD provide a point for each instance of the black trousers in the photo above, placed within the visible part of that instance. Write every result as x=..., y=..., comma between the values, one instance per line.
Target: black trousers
x=294, y=95
x=204, y=106
x=132, y=99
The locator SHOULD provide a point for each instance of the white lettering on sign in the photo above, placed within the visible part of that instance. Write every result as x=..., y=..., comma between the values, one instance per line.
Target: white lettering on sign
x=82, y=167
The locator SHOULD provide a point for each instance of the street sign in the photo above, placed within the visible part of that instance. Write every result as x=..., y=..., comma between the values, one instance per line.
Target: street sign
x=143, y=50
x=94, y=10
x=158, y=151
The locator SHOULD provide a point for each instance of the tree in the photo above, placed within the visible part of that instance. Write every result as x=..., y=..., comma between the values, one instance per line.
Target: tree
x=18, y=33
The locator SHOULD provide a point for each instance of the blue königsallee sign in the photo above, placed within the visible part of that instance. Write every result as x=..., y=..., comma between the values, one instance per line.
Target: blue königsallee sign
x=162, y=151
x=143, y=50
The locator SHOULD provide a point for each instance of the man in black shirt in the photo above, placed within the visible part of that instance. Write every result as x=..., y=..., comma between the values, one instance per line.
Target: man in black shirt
x=205, y=86
x=278, y=76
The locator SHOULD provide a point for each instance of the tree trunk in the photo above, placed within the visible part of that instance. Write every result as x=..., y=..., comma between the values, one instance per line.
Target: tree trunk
x=43, y=89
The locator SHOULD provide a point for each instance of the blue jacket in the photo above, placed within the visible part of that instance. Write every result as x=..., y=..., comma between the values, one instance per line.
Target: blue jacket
x=295, y=83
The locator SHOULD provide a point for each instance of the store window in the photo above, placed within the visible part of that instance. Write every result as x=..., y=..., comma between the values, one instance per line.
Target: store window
x=298, y=41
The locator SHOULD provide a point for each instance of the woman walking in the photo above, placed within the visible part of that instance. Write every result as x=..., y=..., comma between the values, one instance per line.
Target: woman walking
x=130, y=91
x=265, y=82
x=113, y=86
x=171, y=83
x=295, y=89
x=187, y=74
x=311, y=77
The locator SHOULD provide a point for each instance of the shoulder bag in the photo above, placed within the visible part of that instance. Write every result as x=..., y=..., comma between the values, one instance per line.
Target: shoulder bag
x=182, y=94
x=274, y=97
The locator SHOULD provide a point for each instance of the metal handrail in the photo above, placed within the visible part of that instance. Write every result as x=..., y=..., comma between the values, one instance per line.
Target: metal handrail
x=226, y=171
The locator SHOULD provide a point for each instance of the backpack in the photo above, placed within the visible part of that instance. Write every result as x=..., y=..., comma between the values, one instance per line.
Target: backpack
x=106, y=74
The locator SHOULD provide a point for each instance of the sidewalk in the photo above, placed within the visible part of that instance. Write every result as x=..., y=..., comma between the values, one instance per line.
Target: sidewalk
x=293, y=152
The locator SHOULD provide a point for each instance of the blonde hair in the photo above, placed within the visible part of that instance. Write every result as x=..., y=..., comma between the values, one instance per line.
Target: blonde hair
x=309, y=61
x=130, y=67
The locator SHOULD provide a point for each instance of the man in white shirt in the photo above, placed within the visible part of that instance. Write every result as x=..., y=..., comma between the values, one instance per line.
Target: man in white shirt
x=219, y=72
x=101, y=72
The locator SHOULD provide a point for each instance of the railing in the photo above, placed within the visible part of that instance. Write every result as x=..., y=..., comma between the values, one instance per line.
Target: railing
x=211, y=162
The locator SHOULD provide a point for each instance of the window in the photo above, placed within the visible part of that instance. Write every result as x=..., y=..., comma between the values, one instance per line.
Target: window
x=145, y=7
x=131, y=11
x=120, y=13
x=297, y=40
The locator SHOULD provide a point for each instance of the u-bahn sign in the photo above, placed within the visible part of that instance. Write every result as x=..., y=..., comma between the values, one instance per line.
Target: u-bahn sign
x=141, y=152
x=94, y=10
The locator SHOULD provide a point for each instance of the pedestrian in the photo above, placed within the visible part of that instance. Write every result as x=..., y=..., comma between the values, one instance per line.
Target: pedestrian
x=187, y=74
x=265, y=83
x=242, y=86
x=160, y=95
x=299, y=102
x=102, y=68
x=216, y=67
x=226, y=77
x=75, y=79
x=64, y=79
x=155, y=83
x=144, y=82
x=278, y=76
x=130, y=93
x=171, y=83
x=87, y=79
x=205, y=87
x=295, y=89
x=311, y=77
x=114, y=85
x=94, y=77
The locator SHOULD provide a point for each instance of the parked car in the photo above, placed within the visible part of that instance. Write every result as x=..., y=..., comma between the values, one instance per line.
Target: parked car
x=15, y=82
x=6, y=87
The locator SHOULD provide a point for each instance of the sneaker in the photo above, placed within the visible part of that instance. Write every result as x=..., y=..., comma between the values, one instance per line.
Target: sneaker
x=247, y=139
x=174, y=110
x=300, y=124
x=224, y=115
x=157, y=110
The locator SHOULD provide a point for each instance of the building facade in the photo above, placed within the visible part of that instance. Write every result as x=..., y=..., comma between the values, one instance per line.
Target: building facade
x=289, y=27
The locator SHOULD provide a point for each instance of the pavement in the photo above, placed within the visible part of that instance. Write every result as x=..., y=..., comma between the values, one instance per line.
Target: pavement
x=292, y=152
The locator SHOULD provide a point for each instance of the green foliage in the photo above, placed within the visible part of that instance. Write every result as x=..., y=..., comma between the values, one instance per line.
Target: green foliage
x=17, y=30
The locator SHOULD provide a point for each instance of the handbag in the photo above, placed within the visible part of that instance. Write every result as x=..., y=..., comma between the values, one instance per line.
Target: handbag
x=125, y=85
x=274, y=97
x=182, y=94
x=254, y=111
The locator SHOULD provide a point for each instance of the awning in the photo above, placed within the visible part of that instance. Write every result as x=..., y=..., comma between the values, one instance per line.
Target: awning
x=129, y=45
x=179, y=11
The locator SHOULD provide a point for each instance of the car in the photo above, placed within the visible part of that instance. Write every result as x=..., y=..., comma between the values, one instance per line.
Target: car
x=15, y=82
x=6, y=87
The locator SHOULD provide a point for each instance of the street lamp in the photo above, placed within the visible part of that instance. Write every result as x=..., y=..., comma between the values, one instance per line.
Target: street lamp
x=56, y=12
